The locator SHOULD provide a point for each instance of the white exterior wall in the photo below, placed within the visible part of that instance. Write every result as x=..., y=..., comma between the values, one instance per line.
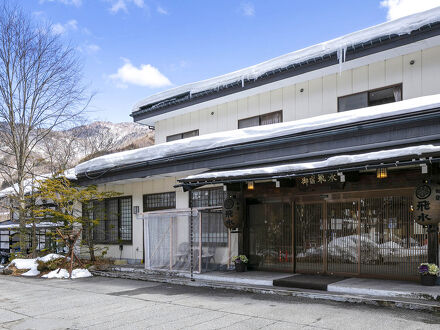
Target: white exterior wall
x=319, y=95
x=136, y=190
x=134, y=252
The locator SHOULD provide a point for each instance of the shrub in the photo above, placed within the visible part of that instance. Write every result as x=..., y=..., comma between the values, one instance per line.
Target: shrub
x=50, y=265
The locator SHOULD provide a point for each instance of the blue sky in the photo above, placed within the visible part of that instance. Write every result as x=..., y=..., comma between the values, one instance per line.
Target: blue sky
x=134, y=48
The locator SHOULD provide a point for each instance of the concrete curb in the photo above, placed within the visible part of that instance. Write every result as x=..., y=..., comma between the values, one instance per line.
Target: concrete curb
x=393, y=302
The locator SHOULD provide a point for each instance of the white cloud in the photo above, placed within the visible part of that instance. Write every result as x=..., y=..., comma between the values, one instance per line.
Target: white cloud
x=59, y=28
x=92, y=48
x=162, y=10
x=89, y=48
x=75, y=3
x=247, y=9
x=118, y=5
x=400, y=8
x=145, y=75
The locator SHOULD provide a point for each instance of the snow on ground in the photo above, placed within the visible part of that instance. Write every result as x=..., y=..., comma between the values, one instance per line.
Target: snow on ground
x=330, y=162
x=396, y=27
x=245, y=135
x=32, y=264
x=63, y=273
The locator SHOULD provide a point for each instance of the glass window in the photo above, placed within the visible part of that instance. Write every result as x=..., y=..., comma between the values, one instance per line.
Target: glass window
x=208, y=197
x=271, y=118
x=162, y=201
x=266, y=119
x=370, y=98
x=113, y=220
x=351, y=102
x=181, y=136
x=249, y=122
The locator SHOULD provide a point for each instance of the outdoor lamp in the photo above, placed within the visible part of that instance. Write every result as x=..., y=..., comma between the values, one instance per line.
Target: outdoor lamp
x=250, y=185
x=381, y=173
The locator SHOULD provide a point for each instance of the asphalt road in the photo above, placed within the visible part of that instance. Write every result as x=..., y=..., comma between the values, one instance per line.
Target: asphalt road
x=105, y=303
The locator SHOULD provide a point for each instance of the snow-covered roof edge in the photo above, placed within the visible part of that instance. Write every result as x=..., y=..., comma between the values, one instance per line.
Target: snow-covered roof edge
x=399, y=26
x=245, y=135
x=328, y=163
x=46, y=224
x=29, y=185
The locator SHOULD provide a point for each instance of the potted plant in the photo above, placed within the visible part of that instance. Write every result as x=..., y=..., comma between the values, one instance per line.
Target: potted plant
x=428, y=273
x=240, y=262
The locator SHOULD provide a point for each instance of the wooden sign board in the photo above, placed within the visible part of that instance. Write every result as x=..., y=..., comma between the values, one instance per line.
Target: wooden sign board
x=232, y=210
x=427, y=204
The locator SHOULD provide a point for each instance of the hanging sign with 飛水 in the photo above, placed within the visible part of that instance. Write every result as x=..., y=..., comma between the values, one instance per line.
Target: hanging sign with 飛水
x=427, y=204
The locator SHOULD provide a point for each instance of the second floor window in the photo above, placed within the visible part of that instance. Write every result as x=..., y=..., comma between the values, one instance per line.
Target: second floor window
x=266, y=119
x=181, y=136
x=370, y=98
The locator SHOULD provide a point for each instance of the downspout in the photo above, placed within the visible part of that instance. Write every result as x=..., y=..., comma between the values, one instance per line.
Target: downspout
x=191, y=236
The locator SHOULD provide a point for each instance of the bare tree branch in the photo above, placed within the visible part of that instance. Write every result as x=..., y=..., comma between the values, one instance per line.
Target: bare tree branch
x=40, y=91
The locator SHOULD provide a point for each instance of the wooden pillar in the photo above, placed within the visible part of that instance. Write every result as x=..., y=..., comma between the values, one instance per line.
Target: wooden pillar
x=433, y=244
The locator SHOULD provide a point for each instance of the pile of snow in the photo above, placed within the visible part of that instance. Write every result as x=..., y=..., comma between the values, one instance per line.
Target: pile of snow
x=251, y=134
x=345, y=249
x=63, y=273
x=32, y=264
x=339, y=45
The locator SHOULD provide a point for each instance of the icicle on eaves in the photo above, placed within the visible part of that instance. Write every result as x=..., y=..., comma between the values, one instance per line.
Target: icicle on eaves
x=242, y=82
x=341, y=53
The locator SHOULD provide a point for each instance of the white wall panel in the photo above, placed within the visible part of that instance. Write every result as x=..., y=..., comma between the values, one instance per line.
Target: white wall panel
x=242, y=106
x=315, y=97
x=412, y=75
x=232, y=115
x=276, y=100
x=302, y=100
x=431, y=71
x=264, y=103
x=376, y=75
x=344, y=83
x=289, y=103
x=253, y=106
x=222, y=117
x=329, y=94
x=394, y=71
x=360, y=79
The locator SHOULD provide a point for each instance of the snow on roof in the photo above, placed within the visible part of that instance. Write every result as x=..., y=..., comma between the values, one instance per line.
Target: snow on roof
x=221, y=139
x=328, y=163
x=45, y=224
x=400, y=26
x=29, y=184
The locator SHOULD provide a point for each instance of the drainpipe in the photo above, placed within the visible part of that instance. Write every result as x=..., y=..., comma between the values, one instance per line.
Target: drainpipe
x=191, y=250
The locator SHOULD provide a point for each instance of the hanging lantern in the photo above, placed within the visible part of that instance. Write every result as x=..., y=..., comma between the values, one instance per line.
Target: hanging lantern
x=250, y=185
x=381, y=173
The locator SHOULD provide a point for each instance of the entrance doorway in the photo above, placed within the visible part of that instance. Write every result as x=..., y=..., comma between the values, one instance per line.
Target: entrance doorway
x=362, y=236
x=270, y=236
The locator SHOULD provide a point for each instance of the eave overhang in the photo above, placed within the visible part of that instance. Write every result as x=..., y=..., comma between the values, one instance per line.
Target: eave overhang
x=403, y=130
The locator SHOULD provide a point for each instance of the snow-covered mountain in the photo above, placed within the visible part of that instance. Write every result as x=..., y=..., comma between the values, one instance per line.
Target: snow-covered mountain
x=65, y=149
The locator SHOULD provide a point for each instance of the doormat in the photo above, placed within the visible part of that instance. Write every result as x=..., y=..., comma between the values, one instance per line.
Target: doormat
x=302, y=281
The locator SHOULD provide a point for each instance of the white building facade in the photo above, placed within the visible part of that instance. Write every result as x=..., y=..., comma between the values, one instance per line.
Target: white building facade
x=389, y=63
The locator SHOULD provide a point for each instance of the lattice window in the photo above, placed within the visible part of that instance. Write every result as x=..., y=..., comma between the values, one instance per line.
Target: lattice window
x=213, y=230
x=208, y=197
x=162, y=201
x=113, y=220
